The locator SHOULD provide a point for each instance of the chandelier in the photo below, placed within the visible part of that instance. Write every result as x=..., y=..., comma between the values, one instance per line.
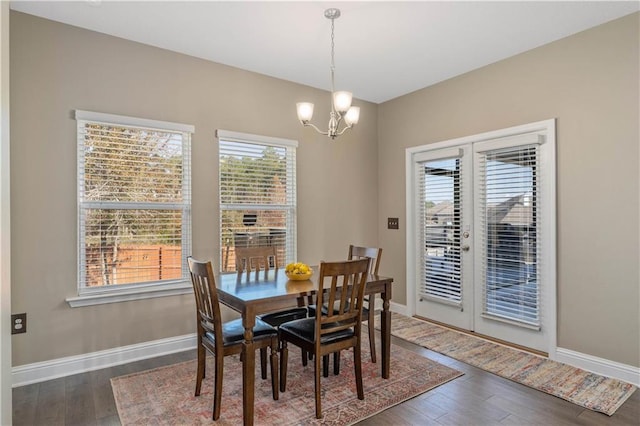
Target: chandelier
x=341, y=101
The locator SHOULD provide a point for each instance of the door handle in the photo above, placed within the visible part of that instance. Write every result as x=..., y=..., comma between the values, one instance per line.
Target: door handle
x=465, y=248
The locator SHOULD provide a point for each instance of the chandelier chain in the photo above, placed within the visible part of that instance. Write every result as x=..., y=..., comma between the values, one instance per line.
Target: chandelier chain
x=333, y=65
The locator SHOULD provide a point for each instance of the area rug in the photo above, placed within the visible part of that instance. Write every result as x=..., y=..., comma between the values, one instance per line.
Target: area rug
x=589, y=390
x=164, y=396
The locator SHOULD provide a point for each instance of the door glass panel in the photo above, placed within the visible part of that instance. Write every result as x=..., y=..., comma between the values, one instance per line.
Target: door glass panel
x=509, y=208
x=442, y=221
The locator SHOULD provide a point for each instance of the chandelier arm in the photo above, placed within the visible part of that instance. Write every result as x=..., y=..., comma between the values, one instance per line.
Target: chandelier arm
x=316, y=129
x=347, y=127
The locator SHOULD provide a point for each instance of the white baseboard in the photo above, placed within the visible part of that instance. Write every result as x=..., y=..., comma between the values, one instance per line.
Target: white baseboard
x=398, y=308
x=47, y=370
x=605, y=367
x=61, y=367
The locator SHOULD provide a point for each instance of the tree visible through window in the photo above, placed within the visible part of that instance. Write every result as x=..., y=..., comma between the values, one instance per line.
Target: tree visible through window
x=257, y=195
x=134, y=200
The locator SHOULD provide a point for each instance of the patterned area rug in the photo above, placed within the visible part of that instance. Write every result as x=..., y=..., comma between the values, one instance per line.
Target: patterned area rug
x=589, y=390
x=164, y=396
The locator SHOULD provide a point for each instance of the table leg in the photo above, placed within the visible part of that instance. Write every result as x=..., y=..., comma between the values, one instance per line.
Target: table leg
x=385, y=333
x=248, y=371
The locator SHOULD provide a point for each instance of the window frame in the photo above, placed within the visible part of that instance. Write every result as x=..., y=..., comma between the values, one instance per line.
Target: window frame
x=142, y=290
x=291, y=206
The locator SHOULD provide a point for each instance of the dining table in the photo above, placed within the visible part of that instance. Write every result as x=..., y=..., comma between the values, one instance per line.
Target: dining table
x=261, y=292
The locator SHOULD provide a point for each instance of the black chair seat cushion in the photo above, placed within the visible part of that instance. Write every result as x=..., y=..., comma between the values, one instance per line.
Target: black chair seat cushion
x=278, y=318
x=233, y=331
x=305, y=329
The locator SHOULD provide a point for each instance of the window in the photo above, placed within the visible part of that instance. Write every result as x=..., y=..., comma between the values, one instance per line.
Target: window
x=134, y=203
x=257, y=195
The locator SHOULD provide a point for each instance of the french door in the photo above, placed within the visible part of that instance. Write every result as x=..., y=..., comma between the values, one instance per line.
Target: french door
x=444, y=207
x=483, y=257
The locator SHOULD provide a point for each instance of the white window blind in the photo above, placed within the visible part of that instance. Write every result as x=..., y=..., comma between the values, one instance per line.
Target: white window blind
x=134, y=201
x=509, y=211
x=439, y=186
x=257, y=195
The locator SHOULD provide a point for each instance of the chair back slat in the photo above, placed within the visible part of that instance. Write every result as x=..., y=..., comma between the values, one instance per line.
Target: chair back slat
x=256, y=259
x=375, y=253
x=208, y=315
x=344, y=284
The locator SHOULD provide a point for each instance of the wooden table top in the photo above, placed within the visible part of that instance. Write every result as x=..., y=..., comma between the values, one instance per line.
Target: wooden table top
x=272, y=290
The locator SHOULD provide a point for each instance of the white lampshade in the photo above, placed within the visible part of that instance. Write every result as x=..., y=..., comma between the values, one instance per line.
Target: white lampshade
x=305, y=111
x=342, y=101
x=352, y=116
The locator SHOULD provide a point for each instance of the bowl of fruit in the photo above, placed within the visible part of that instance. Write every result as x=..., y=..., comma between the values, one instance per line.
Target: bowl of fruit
x=298, y=271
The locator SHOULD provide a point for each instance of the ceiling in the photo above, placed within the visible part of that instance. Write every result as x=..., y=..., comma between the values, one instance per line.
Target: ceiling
x=382, y=49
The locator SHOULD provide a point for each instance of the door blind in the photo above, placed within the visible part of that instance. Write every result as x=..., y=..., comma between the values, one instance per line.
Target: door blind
x=509, y=203
x=439, y=212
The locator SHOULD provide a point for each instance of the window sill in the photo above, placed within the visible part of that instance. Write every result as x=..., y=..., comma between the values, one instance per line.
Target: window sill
x=125, y=295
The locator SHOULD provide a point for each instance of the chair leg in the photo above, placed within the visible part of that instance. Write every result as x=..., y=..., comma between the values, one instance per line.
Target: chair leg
x=372, y=331
x=316, y=371
x=304, y=358
x=357, y=363
x=263, y=363
x=336, y=363
x=284, y=355
x=202, y=362
x=325, y=365
x=217, y=387
x=275, y=387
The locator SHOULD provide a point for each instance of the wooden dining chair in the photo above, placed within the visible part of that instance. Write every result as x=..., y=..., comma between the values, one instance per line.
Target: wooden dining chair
x=222, y=339
x=256, y=259
x=368, y=309
x=344, y=283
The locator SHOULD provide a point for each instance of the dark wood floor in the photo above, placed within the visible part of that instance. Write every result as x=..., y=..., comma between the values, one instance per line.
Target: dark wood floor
x=477, y=398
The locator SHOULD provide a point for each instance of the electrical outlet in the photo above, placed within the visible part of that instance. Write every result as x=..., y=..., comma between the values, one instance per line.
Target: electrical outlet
x=18, y=323
x=393, y=223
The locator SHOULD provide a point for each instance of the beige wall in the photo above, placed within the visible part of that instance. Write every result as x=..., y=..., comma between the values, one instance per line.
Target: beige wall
x=589, y=83
x=56, y=69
